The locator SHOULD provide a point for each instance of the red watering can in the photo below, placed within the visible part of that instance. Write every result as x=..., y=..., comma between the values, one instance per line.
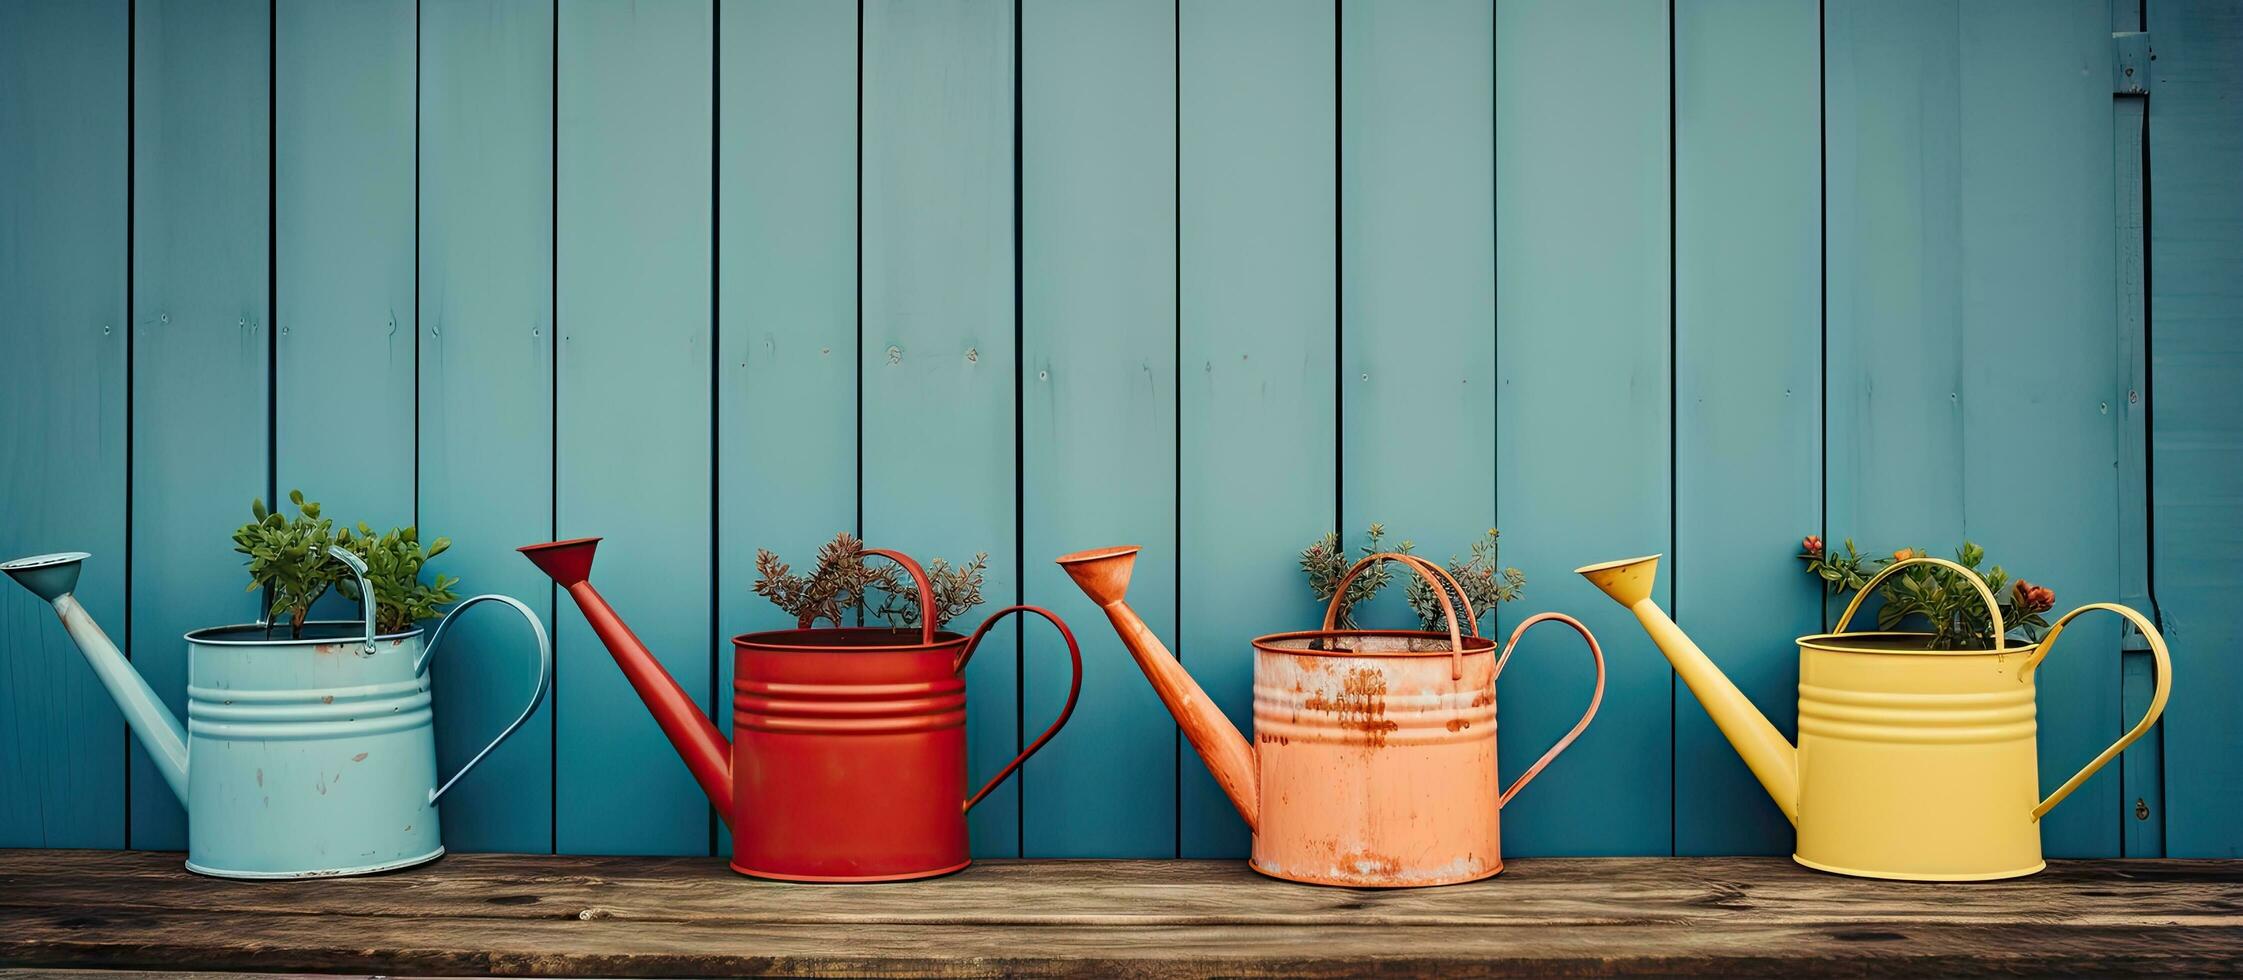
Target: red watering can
x=848, y=761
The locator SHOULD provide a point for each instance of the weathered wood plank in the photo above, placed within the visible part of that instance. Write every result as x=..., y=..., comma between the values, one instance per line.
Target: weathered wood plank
x=513, y=914
x=633, y=406
x=2196, y=148
x=936, y=369
x=486, y=372
x=62, y=390
x=201, y=344
x=1583, y=408
x=1256, y=159
x=1098, y=421
x=1748, y=386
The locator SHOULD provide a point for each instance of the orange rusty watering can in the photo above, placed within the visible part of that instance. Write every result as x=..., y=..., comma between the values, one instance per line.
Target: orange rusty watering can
x=1374, y=760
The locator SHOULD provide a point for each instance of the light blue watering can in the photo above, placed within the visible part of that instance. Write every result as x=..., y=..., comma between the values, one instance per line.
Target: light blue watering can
x=302, y=757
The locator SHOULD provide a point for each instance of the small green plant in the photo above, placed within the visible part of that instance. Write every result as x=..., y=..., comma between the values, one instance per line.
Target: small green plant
x=843, y=581
x=1486, y=584
x=1325, y=560
x=288, y=555
x=1937, y=595
x=393, y=567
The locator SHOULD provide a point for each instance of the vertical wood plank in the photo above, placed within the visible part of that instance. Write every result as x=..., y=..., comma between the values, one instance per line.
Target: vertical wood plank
x=2196, y=149
x=486, y=376
x=633, y=398
x=2142, y=766
x=1748, y=385
x=1098, y=432
x=1894, y=460
x=1972, y=330
x=2043, y=378
x=63, y=77
x=1582, y=345
x=345, y=360
x=1257, y=155
x=786, y=297
x=201, y=344
x=1417, y=310
x=939, y=332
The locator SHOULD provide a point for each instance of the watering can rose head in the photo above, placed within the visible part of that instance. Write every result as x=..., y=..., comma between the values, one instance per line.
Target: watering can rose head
x=289, y=556
x=1325, y=561
x=843, y=581
x=1941, y=596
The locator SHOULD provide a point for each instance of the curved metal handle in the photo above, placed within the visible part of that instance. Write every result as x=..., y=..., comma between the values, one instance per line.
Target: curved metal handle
x=2157, y=700
x=1596, y=653
x=926, y=591
x=1435, y=576
x=357, y=568
x=544, y=677
x=1985, y=593
x=1075, y=689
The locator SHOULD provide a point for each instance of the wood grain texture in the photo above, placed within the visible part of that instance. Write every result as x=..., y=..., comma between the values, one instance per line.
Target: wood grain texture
x=63, y=133
x=1257, y=155
x=345, y=364
x=1748, y=387
x=633, y=396
x=486, y=371
x=938, y=359
x=200, y=343
x=1583, y=422
x=561, y=916
x=1098, y=424
x=786, y=452
x=2196, y=149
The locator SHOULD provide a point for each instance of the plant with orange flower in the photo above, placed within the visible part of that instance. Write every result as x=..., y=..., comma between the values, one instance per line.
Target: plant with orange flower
x=1938, y=596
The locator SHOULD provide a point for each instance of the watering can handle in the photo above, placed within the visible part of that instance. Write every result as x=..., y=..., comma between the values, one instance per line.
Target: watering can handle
x=544, y=677
x=357, y=568
x=1992, y=606
x=1075, y=688
x=2157, y=700
x=926, y=591
x=1596, y=698
x=1435, y=576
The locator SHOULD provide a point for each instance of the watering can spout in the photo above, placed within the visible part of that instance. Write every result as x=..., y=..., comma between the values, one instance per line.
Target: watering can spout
x=54, y=578
x=1103, y=575
x=705, y=751
x=1765, y=750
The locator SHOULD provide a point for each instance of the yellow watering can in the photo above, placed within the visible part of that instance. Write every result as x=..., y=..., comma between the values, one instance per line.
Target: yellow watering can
x=1912, y=763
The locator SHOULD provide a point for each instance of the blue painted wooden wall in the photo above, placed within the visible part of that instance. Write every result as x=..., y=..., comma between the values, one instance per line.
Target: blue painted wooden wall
x=1210, y=276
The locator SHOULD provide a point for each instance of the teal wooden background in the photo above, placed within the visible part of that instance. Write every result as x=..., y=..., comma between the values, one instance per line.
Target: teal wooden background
x=1211, y=276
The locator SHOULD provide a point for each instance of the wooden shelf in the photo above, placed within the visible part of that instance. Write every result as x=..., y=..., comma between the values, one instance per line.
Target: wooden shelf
x=615, y=916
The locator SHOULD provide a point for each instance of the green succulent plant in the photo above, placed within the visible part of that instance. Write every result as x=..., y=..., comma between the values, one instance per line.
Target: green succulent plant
x=288, y=556
x=394, y=560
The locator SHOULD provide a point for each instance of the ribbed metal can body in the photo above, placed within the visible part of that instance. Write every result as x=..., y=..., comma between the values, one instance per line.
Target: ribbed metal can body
x=848, y=756
x=308, y=757
x=1915, y=764
x=1375, y=771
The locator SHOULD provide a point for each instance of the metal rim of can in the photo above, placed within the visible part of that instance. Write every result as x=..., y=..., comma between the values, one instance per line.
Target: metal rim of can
x=1472, y=645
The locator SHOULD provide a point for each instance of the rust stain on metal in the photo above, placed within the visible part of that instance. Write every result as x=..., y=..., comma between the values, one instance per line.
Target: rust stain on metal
x=1373, y=865
x=1458, y=724
x=1361, y=705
